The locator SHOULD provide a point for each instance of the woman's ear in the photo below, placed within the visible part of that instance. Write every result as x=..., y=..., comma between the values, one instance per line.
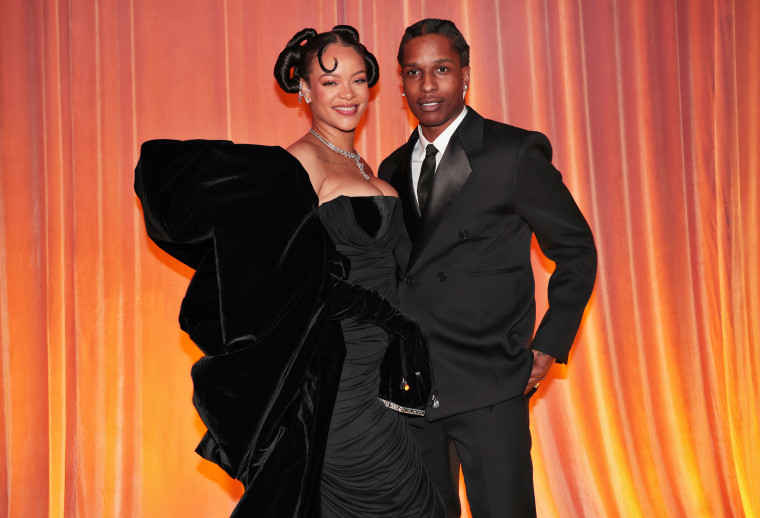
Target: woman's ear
x=303, y=91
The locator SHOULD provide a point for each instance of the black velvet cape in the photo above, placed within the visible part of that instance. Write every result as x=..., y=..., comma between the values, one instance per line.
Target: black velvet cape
x=244, y=217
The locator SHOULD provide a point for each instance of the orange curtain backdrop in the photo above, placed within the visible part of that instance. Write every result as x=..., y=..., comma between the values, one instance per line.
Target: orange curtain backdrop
x=652, y=108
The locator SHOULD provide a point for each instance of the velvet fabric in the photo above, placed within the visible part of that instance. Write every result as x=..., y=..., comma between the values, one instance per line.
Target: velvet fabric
x=407, y=383
x=244, y=218
x=264, y=305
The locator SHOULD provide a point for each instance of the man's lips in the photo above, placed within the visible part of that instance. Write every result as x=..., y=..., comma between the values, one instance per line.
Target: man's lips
x=347, y=110
x=429, y=105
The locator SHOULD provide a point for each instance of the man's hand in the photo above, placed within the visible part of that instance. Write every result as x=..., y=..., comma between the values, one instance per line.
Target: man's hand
x=542, y=362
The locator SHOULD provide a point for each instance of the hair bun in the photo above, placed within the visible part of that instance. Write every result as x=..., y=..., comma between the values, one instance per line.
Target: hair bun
x=285, y=71
x=345, y=30
x=300, y=37
x=295, y=61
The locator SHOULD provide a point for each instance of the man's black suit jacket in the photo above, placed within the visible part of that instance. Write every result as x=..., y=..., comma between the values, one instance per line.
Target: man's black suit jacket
x=465, y=271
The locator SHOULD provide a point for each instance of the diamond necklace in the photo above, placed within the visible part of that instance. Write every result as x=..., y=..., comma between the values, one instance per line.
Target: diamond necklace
x=354, y=156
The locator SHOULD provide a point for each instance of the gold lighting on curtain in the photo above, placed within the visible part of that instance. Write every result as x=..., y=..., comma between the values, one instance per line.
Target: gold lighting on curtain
x=652, y=108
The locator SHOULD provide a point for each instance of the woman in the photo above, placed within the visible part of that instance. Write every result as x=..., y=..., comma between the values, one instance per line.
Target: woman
x=367, y=446
x=288, y=389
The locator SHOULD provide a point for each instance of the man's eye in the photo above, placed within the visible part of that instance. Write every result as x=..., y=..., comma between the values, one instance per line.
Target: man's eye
x=413, y=72
x=443, y=69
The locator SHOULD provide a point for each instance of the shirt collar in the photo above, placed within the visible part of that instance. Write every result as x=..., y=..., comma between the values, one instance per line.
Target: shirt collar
x=443, y=139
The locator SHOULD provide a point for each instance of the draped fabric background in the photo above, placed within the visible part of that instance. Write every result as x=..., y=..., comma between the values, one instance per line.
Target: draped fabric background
x=652, y=108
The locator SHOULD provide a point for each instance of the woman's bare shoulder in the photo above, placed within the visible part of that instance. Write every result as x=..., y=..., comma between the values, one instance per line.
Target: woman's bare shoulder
x=309, y=156
x=303, y=150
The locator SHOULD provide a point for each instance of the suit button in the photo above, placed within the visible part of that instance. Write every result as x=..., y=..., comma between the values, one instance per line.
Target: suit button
x=441, y=276
x=409, y=280
x=463, y=235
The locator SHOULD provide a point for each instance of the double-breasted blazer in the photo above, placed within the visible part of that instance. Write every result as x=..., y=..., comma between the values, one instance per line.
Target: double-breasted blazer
x=465, y=270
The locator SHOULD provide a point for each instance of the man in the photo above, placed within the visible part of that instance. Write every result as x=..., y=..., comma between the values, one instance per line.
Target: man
x=471, y=204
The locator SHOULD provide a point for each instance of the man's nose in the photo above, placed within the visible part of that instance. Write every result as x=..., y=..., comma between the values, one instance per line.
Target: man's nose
x=428, y=83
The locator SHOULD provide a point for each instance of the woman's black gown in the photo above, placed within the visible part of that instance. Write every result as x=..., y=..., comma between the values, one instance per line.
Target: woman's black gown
x=371, y=465
x=286, y=415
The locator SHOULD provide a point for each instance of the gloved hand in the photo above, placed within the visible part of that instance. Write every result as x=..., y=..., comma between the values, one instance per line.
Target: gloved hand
x=406, y=377
x=365, y=305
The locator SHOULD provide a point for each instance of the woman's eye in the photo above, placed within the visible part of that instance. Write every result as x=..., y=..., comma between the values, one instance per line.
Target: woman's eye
x=362, y=80
x=329, y=83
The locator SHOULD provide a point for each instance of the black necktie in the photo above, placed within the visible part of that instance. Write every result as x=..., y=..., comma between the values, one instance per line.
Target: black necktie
x=426, y=175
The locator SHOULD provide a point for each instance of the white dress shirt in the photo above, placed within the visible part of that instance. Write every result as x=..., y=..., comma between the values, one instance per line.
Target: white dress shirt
x=418, y=153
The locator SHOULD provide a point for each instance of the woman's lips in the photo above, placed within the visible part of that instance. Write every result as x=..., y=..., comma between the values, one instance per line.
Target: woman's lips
x=347, y=110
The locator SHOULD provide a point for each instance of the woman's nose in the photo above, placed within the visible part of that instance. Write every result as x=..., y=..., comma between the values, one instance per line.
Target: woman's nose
x=347, y=92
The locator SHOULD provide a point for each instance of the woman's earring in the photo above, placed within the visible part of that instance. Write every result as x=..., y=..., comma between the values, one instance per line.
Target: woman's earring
x=301, y=95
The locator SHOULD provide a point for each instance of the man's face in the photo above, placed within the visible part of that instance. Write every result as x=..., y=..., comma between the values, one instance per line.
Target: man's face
x=434, y=82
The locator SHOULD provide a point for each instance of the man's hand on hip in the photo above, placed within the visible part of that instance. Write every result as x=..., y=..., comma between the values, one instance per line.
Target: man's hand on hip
x=542, y=362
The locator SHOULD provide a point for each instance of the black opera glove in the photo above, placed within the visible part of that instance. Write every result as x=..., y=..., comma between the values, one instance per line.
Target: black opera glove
x=406, y=376
x=366, y=305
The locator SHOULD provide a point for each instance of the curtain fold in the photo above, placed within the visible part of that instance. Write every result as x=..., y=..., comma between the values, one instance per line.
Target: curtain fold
x=651, y=107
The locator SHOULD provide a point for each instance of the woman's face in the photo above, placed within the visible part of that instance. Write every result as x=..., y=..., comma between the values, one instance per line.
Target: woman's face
x=338, y=98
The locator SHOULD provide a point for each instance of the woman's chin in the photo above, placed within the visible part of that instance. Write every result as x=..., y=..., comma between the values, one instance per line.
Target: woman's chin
x=345, y=126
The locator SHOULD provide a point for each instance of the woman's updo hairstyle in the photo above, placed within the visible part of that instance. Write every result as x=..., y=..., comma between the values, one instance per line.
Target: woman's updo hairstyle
x=294, y=62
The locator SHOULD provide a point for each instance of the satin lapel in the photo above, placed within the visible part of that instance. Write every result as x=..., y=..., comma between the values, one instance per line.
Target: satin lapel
x=450, y=176
x=402, y=182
